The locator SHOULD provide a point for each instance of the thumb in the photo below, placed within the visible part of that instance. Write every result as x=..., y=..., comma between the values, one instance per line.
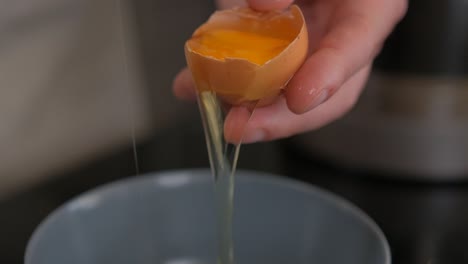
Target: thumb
x=266, y=5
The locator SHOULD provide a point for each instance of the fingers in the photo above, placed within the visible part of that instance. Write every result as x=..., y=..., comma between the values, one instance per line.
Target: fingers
x=354, y=38
x=225, y=4
x=262, y=5
x=277, y=121
x=235, y=124
x=183, y=86
x=266, y=5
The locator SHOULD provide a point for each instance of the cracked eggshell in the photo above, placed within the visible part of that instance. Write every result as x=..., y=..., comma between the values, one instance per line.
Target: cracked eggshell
x=240, y=81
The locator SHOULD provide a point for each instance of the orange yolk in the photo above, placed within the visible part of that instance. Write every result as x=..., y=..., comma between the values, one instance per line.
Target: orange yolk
x=226, y=43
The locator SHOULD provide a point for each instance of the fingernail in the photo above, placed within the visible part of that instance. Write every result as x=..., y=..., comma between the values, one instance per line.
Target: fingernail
x=255, y=136
x=318, y=100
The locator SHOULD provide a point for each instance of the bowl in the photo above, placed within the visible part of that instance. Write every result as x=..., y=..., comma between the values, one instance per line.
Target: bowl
x=168, y=218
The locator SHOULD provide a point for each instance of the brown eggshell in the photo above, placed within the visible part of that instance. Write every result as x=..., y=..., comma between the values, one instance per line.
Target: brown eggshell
x=240, y=81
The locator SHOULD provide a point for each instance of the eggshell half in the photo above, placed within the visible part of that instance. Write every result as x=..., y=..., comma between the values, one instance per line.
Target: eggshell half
x=238, y=80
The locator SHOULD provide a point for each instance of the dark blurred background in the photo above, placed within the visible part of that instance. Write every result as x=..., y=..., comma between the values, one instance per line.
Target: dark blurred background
x=401, y=154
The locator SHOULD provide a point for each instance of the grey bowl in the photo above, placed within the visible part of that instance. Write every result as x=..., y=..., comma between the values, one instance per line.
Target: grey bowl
x=168, y=218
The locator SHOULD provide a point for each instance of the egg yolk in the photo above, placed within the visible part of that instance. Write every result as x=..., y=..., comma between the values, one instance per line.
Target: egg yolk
x=226, y=43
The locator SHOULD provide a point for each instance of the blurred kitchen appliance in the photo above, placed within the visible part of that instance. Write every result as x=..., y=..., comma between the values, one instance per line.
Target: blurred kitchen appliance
x=412, y=119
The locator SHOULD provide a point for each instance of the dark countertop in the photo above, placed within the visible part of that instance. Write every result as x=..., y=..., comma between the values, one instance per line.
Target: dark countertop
x=424, y=223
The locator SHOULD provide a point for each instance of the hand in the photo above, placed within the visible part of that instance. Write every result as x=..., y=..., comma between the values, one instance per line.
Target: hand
x=344, y=38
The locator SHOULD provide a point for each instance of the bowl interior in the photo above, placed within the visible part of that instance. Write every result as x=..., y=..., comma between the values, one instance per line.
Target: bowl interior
x=168, y=218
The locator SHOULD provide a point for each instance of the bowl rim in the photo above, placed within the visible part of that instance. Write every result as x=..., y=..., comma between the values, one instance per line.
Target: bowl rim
x=246, y=175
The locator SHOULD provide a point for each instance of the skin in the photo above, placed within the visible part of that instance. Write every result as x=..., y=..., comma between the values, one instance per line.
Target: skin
x=345, y=36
